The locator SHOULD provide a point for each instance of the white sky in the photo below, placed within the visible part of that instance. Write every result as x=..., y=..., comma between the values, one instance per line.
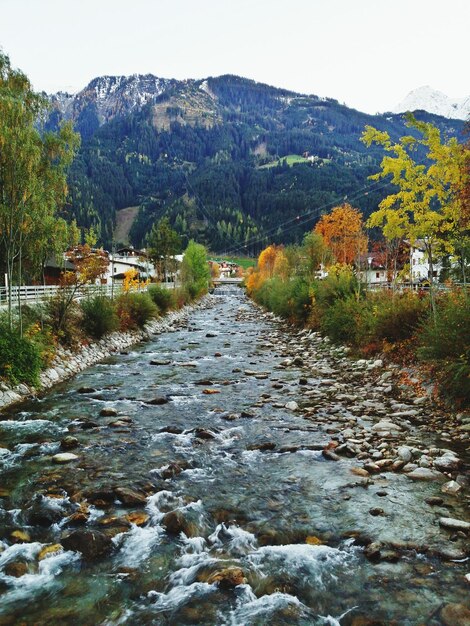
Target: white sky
x=367, y=53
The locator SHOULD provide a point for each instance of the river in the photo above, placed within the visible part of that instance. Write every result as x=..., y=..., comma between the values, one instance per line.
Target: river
x=201, y=499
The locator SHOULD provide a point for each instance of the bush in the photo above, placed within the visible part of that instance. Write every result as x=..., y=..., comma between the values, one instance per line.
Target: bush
x=348, y=321
x=99, y=316
x=340, y=284
x=20, y=359
x=446, y=344
x=397, y=316
x=65, y=320
x=135, y=309
x=290, y=299
x=162, y=297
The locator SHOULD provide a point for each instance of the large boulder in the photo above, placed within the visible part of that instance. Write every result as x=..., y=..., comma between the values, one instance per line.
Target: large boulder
x=90, y=543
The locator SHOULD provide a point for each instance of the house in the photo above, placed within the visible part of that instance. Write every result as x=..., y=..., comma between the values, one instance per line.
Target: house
x=419, y=264
x=127, y=258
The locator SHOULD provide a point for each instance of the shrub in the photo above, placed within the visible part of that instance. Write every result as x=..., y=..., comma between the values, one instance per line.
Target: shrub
x=446, y=344
x=162, y=297
x=397, y=316
x=99, y=316
x=340, y=284
x=348, y=321
x=135, y=309
x=65, y=320
x=20, y=359
x=289, y=299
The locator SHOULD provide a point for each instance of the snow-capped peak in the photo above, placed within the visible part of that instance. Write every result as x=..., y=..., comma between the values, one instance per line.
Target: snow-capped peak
x=433, y=101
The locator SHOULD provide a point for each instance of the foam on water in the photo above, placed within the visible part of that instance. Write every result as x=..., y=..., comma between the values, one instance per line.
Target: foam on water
x=234, y=539
x=137, y=544
x=305, y=562
x=49, y=570
x=178, y=596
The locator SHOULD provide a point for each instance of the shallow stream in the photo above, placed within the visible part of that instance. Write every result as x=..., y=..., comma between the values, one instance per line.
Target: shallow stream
x=287, y=523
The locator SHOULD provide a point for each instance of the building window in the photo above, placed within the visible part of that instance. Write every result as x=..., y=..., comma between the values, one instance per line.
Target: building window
x=377, y=274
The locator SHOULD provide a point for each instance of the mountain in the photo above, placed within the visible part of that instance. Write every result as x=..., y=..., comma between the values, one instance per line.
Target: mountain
x=434, y=101
x=231, y=162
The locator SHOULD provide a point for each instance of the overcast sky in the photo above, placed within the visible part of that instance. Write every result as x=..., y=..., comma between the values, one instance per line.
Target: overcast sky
x=366, y=53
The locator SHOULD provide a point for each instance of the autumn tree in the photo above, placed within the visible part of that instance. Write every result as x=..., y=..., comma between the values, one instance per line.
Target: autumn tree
x=342, y=231
x=426, y=206
x=33, y=168
x=90, y=265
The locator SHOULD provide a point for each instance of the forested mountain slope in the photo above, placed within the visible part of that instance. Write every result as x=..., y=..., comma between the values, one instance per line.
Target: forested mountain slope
x=232, y=162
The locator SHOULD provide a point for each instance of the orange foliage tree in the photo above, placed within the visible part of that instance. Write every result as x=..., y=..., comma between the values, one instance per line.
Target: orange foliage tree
x=271, y=260
x=342, y=231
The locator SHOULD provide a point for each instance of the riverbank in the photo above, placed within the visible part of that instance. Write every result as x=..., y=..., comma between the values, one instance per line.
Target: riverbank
x=68, y=363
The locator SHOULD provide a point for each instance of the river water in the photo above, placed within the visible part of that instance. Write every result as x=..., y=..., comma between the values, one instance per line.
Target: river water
x=289, y=522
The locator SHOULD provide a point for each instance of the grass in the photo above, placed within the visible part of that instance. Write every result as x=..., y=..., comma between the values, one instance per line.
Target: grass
x=290, y=159
x=244, y=262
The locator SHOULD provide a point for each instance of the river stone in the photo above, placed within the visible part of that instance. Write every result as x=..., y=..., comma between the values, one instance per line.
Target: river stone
x=292, y=405
x=454, y=524
x=86, y=390
x=129, y=497
x=108, y=412
x=424, y=473
x=227, y=578
x=404, y=453
x=447, y=463
x=42, y=512
x=16, y=569
x=157, y=401
x=64, y=457
x=158, y=362
x=455, y=615
x=91, y=543
x=69, y=442
x=452, y=487
x=175, y=523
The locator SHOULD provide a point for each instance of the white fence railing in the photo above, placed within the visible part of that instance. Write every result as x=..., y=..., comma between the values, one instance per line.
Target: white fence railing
x=35, y=294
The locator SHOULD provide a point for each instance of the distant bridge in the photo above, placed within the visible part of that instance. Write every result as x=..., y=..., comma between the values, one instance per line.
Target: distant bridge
x=226, y=286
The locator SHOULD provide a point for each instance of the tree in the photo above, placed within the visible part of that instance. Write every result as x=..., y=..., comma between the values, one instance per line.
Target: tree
x=342, y=232
x=164, y=243
x=32, y=170
x=426, y=206
x=314, y=254
x=90, y=265
x=195, y=273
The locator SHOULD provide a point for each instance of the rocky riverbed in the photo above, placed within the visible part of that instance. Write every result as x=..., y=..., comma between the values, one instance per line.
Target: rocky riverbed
x=233, y=470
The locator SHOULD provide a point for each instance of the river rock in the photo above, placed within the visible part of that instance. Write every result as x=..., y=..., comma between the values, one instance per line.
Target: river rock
x=68, y=443
x=16, y=569
x=129, y=497
x=53, y=548
x=424, y=473
x=86, y=390
x=64, y=457
x=227, y=578
x=20, y=536
x=454, y=524
x=292, y=405
x=447, y=463
x=108, y=412
x=157, y=401
x=452, y=488
x=175, y=523
x=404, y=452
x=91, y=543
x=455, y=615
x=160, y=362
